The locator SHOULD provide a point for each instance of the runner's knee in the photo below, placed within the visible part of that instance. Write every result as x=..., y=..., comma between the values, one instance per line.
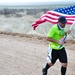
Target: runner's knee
x=64, y=64
x=50, y=64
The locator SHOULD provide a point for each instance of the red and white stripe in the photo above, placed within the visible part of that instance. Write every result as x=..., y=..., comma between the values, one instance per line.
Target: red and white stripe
x=52, y=17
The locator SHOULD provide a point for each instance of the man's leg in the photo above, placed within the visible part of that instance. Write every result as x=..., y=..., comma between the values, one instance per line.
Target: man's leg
x=52, y=57
x=63, y=68
x=63, y=60
x=48, y=65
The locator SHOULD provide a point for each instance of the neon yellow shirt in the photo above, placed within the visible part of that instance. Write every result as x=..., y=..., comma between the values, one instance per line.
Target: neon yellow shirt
x=56, y=34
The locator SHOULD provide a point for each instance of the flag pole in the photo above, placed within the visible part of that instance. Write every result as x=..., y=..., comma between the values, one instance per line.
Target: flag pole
x=72, y=25
x=67, y=34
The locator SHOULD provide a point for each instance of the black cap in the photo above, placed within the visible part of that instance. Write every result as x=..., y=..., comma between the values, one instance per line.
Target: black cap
x=62, y=19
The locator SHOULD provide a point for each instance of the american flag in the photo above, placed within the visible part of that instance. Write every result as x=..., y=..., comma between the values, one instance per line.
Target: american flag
x=52, y=16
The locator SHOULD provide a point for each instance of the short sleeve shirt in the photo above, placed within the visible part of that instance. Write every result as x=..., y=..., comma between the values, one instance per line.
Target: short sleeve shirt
x=56, y=34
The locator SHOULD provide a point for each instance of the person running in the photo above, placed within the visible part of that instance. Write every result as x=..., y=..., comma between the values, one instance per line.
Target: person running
x=56, y=49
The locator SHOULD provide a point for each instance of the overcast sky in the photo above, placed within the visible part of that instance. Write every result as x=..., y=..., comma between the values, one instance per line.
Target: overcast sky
x=31, y=1
x=2, y=1
x=12, y=1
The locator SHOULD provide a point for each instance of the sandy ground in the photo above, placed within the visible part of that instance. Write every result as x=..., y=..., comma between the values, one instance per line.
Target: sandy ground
x=27, y=56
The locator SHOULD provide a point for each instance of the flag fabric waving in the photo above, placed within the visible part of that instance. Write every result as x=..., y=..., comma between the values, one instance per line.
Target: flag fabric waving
x=52, y=16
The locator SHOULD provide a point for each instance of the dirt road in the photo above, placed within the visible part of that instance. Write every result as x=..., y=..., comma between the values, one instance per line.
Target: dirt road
x=27, y=56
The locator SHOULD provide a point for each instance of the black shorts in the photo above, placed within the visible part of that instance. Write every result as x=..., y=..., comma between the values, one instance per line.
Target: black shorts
x=58, y=54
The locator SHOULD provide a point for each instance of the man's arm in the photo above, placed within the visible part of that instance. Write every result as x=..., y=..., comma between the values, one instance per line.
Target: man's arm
x=55, y=41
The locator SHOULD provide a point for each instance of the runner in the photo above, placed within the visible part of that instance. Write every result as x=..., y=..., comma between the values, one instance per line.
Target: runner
x=56, y=51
